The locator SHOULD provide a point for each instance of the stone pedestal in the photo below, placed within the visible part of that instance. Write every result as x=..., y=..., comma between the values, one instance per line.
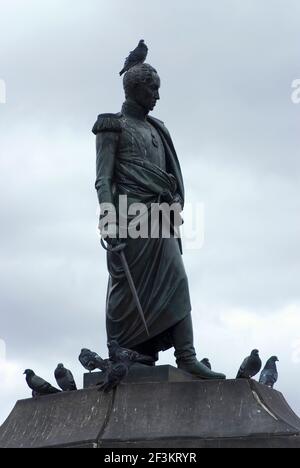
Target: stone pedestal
x=140, y=373
x=169, y=410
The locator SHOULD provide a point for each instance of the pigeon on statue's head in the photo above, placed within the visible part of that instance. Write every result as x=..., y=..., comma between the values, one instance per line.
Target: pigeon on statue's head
x=269, y=375
x=251, y=366
x=64, y=378
x=38, y=385
x=136, y=57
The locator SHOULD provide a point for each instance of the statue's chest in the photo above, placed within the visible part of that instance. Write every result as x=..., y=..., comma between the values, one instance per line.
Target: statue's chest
x=140, y=139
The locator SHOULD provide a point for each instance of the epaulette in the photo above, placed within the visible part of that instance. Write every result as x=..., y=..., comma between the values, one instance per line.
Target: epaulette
x=107, y=123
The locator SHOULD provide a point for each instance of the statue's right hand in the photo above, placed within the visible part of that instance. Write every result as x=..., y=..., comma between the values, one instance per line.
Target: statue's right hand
x=108, y=231
x=112, y=241
x=113, y=245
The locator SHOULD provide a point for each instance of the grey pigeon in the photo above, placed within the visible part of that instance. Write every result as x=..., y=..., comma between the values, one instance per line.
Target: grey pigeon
x=250, y=367
x=114, y=376
x=92, y=361
x=64, y=378
x=269, y=375
x=136, y=56
x=120, y=361
x=118, y=354
x=206, y=362
x=38, y=385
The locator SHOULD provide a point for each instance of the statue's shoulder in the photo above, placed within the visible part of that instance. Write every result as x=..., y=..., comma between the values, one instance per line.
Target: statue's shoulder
x=108, y=123
x=155, y=120
x=160, y=125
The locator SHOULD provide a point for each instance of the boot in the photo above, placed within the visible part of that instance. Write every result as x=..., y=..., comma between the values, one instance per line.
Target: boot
x=182, y=337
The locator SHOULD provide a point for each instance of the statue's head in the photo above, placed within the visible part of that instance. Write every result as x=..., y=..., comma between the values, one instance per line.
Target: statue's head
x=141, y=84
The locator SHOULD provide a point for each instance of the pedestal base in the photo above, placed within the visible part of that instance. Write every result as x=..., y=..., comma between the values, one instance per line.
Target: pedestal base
x=140, y=373
x=161, y=413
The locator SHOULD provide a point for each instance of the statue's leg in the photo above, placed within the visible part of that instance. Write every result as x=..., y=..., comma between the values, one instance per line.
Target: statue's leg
x=183, y=341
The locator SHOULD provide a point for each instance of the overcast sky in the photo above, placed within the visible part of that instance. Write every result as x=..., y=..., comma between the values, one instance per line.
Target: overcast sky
x=226, y=68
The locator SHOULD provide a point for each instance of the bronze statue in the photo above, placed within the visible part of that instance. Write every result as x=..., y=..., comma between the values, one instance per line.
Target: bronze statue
x=136, y=158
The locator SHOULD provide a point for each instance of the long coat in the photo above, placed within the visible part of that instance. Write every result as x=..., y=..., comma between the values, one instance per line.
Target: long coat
x=155, y=263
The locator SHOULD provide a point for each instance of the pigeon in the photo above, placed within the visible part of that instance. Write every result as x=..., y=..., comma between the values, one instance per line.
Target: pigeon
x=114, y=376
x=136, y=56
x=64, y=378
x=250, y=367
x=206, y=362
x=118, y=354
x=120, y=361
x=269, y=374
x=92, y=361
x=38, y=385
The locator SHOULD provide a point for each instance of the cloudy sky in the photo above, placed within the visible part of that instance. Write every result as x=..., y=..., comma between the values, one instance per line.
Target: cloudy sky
x=227, y=69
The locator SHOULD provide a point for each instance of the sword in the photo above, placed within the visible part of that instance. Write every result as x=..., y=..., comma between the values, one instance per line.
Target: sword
x=119, y=249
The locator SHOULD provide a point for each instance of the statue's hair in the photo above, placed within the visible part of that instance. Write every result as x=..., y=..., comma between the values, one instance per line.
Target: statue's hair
x=142, y=73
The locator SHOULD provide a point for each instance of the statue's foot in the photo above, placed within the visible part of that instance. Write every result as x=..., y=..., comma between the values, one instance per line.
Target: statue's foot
x=199, y=370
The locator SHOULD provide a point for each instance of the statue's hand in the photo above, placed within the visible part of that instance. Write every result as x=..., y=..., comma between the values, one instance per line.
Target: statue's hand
x=166, y=197
x=108, y=231
x=112, y=241
x=177, y=199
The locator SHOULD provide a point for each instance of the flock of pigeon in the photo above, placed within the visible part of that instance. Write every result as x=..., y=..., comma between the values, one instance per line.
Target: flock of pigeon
x=251, y=367
x=116, y=368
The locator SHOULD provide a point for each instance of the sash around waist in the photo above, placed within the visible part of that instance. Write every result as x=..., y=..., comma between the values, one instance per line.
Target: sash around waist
x=142, y=180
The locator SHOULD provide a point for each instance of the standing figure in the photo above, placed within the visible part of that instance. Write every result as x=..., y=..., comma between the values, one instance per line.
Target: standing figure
x=136, y=158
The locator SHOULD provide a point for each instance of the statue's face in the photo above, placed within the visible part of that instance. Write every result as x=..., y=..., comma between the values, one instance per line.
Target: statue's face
x=146, y=94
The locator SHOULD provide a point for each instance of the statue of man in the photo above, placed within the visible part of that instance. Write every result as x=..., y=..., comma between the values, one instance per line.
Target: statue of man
x=136, y=158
